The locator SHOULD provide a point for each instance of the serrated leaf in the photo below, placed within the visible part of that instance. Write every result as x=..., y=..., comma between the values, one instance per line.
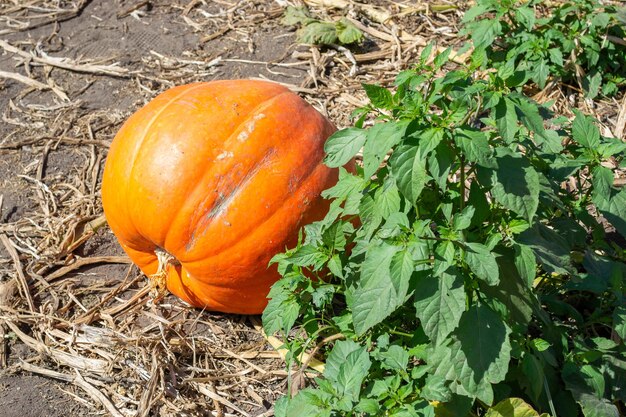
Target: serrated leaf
x=581, y=386
x=584, y=131
x=482, y=262
x=479, y=354
x=375, y=297
x=512, y=407
x=619, y=321
x=540, y=72
x=556, y=56
x=525, y=263
x=401, y=270
x=484, y=342
x=444, y=256
x=387, y=199
x=297, y=15
x=347, y=32
x=550, y=248
x=440, y=302
x=475, y=146
x=462, y=220
x=343, y=145
x=379, y=96
x=484, y=32
x=380, y=139
x=409, y=170
x=526, y=16
x=436, y=389
x=440, y=163
x=309, y=402
x=396, y=357
x=281, y=312
x=318, y=33
x=591, y=83
x=614, y=210
x=506, y=119
x=352, y=372
x=528, y=113
x=516, y=186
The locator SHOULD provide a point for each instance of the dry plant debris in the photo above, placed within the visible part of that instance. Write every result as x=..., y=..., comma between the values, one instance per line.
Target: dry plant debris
x=72, y=309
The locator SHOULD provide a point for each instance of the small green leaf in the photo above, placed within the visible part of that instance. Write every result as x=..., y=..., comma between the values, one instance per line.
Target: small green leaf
x=584, y=131
x=395, y=358
x=380, y=139
x=347, y=32
x=343, y=145
x=619, y=321
x=525, y=263
x=516, y=186
x=281, y=312
x=439, y=302
x=556, y=56
x=318, y=33
x=475, y=146
x=375, y=297
x=409, y=170
x=379, y=96
x=506, y=119
x=297, y=16
x=387, y=199
x=482, y=262
x=526, y=16
x=512, y=407
x=462, y=220
x=444, y=256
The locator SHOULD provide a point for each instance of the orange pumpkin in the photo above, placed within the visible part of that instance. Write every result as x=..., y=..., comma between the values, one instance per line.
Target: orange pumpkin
x=214, y=179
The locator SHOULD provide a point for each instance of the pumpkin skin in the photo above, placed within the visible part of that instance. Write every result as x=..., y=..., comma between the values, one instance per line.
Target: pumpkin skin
x=221, y=175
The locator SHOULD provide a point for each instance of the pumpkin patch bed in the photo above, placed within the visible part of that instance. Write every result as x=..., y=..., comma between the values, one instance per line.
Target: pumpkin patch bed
x=84, y=327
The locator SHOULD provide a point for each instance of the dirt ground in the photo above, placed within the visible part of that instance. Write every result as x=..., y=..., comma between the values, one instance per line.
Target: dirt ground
x=79, y=334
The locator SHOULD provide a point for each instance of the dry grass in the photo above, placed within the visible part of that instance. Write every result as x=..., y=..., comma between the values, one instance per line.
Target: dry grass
x=121, y=353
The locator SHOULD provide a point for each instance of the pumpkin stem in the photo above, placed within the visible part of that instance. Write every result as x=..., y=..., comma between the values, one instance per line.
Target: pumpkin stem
x=158, y=280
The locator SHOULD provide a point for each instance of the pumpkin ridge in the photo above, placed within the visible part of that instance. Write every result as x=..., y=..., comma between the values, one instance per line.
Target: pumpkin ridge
x=222, y=202
x=232, y=137
x=304, y=180
x=142, y=144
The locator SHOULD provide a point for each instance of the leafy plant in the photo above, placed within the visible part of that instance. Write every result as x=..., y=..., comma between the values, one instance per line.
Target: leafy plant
x=314, y=31
x=460, y=263
x=580, y=41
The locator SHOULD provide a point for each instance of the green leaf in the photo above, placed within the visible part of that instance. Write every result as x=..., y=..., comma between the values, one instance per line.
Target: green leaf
x=526, y=264
x=401, y=270
x=375, y=297
x=550, y=248
x=506, y=119
x=614, y=210
x=318, y=33
x=475, y=146
x=281, y=312
x=591, y=83
x=439, y=302
x=395, y=358
x=540, y=72
x=309, y=403
x=380, y=139
x=480, y=354
x=556, y=56
x=379, y=96
x=619, y=321
x=436, y=389
x=583, y=385
x=484, y=32
x=584, y=131
x=528, y=113
x=512, y=407
x=482, y=262
x=462, y=220
x=516, y=186
x=440, y=163
x=352, y=372
x=297, y=16
x=526, y=16
x=343, y=145
x=409, y=169
x=387, y=199
x=347, y=32
x=444, y=256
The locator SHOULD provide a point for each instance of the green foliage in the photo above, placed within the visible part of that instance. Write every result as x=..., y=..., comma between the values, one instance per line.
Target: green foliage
x=318, y=32
x=461, y=271
x=579, y=41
